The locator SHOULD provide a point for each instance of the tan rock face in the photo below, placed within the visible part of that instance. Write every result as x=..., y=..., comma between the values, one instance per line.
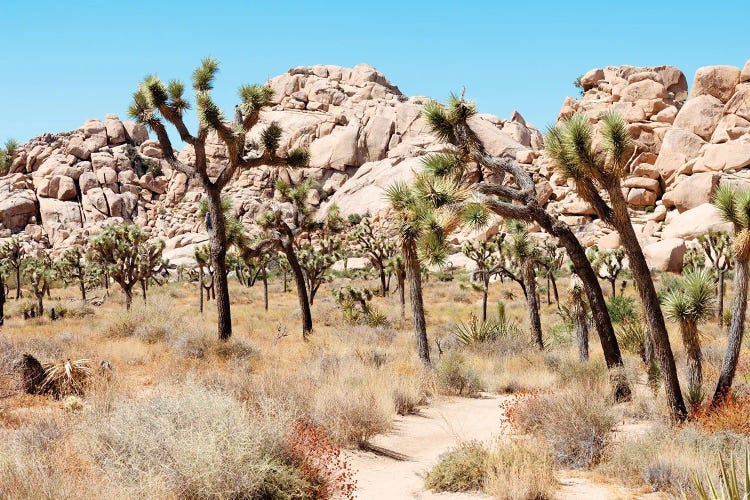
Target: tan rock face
x=693, y=191
x=677, y=148
x=666, y=255
x=695, y=221
x=716, y=81
x=700, y=115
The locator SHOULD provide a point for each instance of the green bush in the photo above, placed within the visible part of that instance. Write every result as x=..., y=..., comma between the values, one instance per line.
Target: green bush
x=621, y=308
x=461, y=469
x=456, y=377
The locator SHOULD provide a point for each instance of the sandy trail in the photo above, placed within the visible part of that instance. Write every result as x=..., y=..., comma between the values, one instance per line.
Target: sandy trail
x=394, y=470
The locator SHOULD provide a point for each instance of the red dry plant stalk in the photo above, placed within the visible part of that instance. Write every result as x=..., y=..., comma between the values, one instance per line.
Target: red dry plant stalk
x=323, y=463
x=732, y=415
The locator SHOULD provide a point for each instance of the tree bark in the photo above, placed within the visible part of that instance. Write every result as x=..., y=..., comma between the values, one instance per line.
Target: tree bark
x=200, y=289
x=484, y=304
x=143, y=290
x=720, y=304
x=736, y=332
x=218, y=244
x=128, y=297
x=554, y=290
x=2, y=300
x=299, y=278
x=649, y=298
x=613, y=286
x=401, y=293
x=264, y=277
x=689, y=331
x=82, y=285
x=414, y=277
x=40, y=302
x=582, y=330
x=532, y=300
x=383, y=285
x=19, y=293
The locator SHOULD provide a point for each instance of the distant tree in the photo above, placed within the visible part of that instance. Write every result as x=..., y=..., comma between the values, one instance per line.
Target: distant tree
x=551, y=262
x=15, y=253
x=376, y=246
x=202, y=256
x=691, y=301
x=154, y=101
x=40, y=272
x=316, y=260
x=521, y=246
x=608, y=264
x=3, y=277
x=580, y=317
x=74, y=269
x=717, y=246
x=8, y=153
x=127, y=255
x=734, y=206
x=485, y=253
x=395, y=266
x=250, y=269
x=570, y=146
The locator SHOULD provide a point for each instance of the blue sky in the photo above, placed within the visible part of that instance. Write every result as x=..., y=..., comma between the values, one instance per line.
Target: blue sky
x=63, y=62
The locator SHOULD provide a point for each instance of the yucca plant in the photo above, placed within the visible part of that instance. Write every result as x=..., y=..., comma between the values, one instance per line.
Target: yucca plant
x=691, y=301
x=474, y=331
x=734, y=206
x=67, y=378
x=730, y=488
x=592, y=169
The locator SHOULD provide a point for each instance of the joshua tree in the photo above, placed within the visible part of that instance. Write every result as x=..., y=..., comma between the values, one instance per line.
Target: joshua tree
x=717, y=245
x=316, y=261
x=523, y=249
x=608, y=264
x=73, y=268
x=40, y=272
x=690, y=301
x=424, y=216
x=570, y=146
x=485, y=254
x=735, y=208
x=580, y=318
x=377, y=247
x=3, y=276
x=15, y=253
x=251, y=269
x=154, y=102
x=518, y=200
x=127, y=255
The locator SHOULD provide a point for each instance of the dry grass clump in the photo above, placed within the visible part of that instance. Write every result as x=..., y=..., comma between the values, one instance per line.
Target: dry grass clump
x=669, y=460
x=514, y=470
x=521, y=470
x=576, y=423
x=152, y=322
x=193, y=442
x=456, y=376
x=463, y=468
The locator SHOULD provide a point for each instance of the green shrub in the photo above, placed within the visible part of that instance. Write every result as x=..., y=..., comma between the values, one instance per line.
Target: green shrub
x=456, y=377
x=461, y=469
x=621, y=308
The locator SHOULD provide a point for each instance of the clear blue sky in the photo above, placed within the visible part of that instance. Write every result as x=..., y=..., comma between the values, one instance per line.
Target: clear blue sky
x=63, y=62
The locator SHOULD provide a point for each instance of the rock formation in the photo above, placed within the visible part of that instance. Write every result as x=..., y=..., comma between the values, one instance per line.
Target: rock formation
x=363, y=134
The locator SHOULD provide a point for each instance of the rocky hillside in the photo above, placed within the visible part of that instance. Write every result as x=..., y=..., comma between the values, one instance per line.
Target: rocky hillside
x=363, y=134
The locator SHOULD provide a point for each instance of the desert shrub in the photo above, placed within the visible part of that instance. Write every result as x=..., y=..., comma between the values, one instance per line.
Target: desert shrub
x=353, y=404
x=575, y=422
x=521, y=469
x=463, y=468
x=732, y=416
x=592, y=375
x=455, y=375
x=194, y=442
x=621, y=308
x=408, y=395
x=151, y=323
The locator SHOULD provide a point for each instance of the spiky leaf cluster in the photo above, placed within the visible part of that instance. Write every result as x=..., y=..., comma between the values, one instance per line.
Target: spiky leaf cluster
x=691, y=298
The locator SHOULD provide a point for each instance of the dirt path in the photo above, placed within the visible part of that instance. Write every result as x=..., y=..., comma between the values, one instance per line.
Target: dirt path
x=394, y=470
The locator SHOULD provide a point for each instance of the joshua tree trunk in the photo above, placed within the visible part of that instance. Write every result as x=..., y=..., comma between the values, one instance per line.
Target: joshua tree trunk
x=128, y=297
x=554, y=289
x=720, y=303
x=200, y=289
x=383, y=284
x=689, y=331
x=400, y=278
x=484, y=304
x=82, y=286
x=299, y=278
x=532, y=300
x=549, y=292
x=582, y=331
x=651, y=305
x=264, y=277
x=19, y=293
x=736, y=332
x=39, y=302
x=612, y=284
x=143, y=290
x=218, y=243
x=2, y=300
x=414, y=276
